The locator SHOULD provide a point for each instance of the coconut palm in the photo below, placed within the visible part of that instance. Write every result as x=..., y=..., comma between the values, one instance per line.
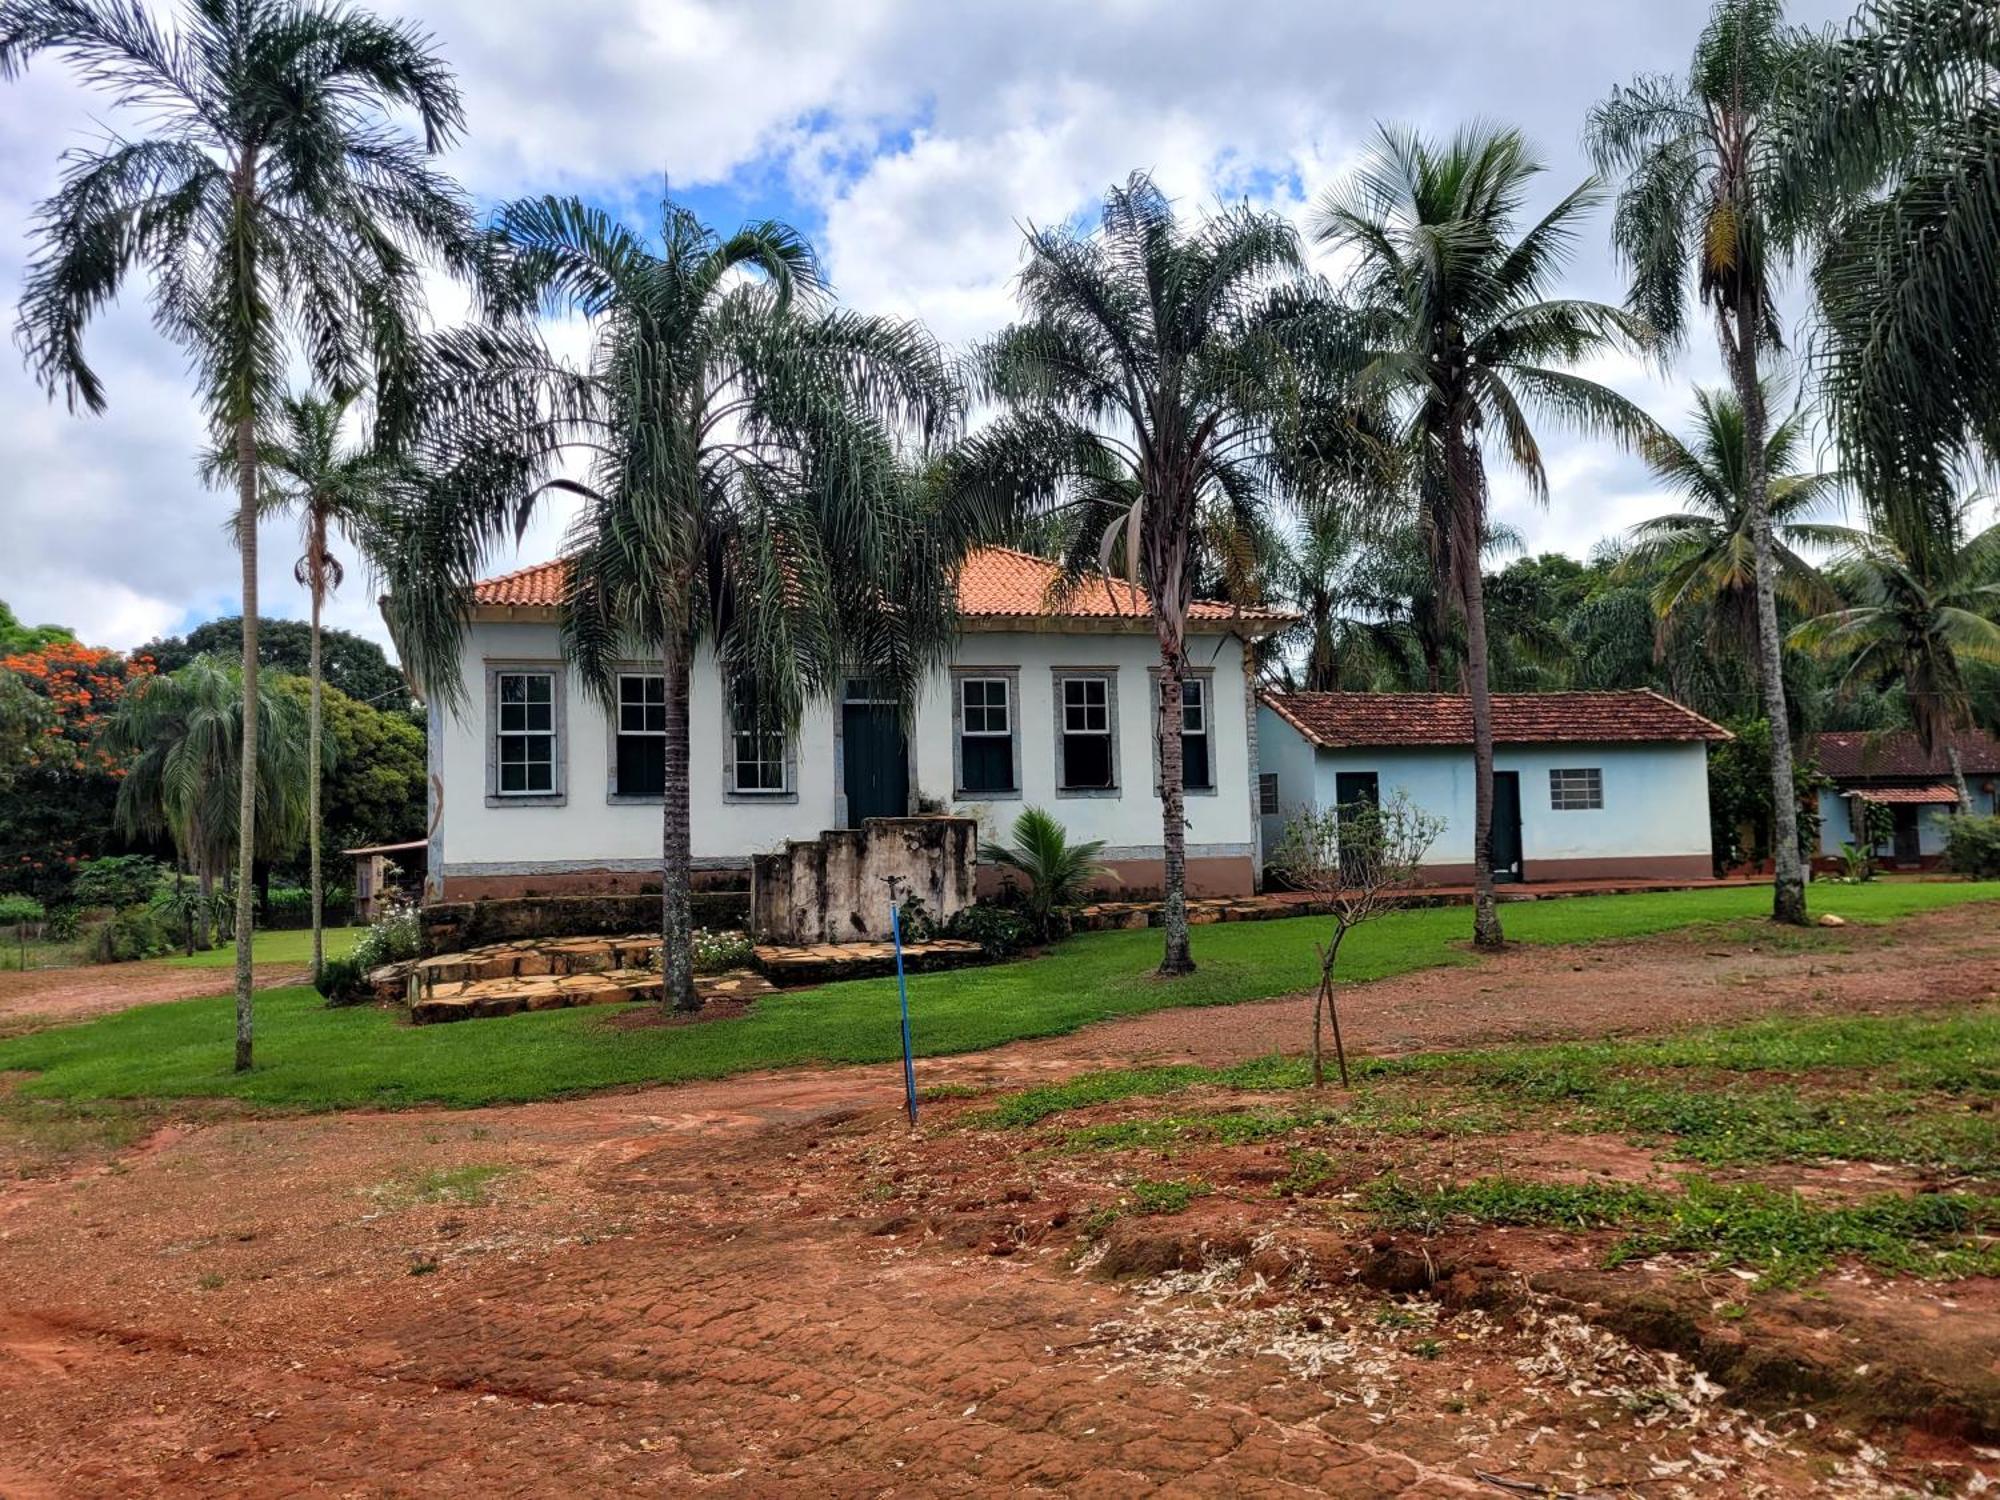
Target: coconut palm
x=1465, y=334
x=185, y=734
x=1703, y=558
x=1151, y=378
x=741, y=488
x=1702, y=170
x=306, y=471
x=276, y=214
x=1354, y=601
x=1891, y=153
x=1917, y=615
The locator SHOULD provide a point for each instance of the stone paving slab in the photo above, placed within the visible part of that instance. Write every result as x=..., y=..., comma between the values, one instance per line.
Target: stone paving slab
x=465, y=1000
x=821, y=963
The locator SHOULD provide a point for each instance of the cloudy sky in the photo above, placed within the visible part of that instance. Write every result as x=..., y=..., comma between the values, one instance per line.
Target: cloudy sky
x=909, y=139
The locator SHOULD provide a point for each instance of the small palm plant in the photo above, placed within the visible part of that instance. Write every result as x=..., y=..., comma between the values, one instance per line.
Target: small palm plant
x=1059, y=872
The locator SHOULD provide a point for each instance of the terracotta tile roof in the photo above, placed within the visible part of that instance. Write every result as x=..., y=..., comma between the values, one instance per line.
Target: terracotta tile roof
x=1857, y=756
x=1339, y=720
x=1941, y=792
x=995, y=583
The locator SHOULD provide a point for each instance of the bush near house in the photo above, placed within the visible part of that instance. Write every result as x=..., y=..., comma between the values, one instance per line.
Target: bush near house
x=1972, y=847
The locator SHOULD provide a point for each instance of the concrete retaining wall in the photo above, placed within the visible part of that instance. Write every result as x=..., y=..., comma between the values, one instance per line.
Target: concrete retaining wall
x=835, y=888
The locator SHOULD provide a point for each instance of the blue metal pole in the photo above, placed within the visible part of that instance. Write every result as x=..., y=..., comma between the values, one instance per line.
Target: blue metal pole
x=903, y=998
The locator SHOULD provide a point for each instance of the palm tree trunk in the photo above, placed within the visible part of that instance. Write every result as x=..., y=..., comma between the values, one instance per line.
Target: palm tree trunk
x=246, y=807
x=1486, y=931
x=1788, y=895
x=676, y=923
x=313, y=731
x=205, y=920
x=1958, y=778
x=1173, y=808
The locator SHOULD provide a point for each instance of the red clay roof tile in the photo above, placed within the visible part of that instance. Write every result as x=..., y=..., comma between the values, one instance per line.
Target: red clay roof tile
x=994, y=583
x=1857, y=755
x=1339, y=720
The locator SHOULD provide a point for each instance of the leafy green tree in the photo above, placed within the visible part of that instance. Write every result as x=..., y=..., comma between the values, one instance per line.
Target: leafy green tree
x=186, y=734
x=741, y=485
x=16, y=637
x=1151, y=377
x=1918, y=615
x=1463, y=326
x=333, y=489
x=271, y=198
x=1702, y=170
x=1705, y=557
x=376, y=771
x=350, y=662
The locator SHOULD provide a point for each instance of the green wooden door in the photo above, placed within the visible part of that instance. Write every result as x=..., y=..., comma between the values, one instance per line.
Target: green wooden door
x=1507, y=863
x=875, y=758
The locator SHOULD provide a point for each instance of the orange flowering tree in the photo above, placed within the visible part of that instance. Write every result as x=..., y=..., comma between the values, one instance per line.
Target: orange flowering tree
x=55, y=810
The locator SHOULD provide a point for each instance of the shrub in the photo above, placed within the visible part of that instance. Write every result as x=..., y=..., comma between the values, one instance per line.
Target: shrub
x=715, y=952
x=1058, y=871
x=18, y=910
x=343, y=981
x=1000, y=930
x=133, y=932
x=915, y=920
x=1972, y=847
x=118, y=880
x=394, y=936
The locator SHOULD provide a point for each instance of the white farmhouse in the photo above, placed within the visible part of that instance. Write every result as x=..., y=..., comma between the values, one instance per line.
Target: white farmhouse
x=538, y=789
x=1586, y=785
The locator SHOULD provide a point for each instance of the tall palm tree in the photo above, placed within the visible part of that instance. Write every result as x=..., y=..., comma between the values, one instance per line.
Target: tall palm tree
x=1892, y=151
x=1703, y=558
x=276, y=211
x=1465, y=332
x=741, y=484
x=306, y=471
x=1918, y=614
x=1149, y=378
x=186, y=735
x=1702, y=167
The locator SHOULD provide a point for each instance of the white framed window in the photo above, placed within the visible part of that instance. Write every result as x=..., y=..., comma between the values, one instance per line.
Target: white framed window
x=1579, y=789
x=524, y=731
x=639, y=767
x=1197, y=765
x=1086, y=734
x=986, y=736
x=757, y=760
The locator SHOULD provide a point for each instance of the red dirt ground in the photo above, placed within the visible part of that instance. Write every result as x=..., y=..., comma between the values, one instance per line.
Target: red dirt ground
x=767, y=1287
x=35, y=998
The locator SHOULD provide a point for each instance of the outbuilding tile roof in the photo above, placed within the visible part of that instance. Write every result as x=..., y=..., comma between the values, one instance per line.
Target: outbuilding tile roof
x=1857, y=756
x=994, y=583
x=1340, y=720
x=1921, y=795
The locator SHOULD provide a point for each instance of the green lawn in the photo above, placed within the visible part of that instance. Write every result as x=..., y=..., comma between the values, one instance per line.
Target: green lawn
x=292, y=946
x=310, y=1057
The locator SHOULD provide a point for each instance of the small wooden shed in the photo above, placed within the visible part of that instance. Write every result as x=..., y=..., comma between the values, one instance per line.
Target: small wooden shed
x=372, y=885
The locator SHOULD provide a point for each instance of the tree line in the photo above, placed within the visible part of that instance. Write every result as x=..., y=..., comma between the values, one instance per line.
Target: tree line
x=1189, y=400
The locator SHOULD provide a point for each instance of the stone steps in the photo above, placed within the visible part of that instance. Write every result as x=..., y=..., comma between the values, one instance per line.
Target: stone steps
x=468, y=999
x=823, y=963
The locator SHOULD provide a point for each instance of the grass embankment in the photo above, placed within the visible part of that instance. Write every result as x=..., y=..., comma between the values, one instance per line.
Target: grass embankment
x=290, y=946
x=310, y=1057
x=1899, y=1091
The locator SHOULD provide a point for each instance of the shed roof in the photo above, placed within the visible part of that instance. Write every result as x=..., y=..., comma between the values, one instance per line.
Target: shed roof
x=1341, y=720
x=1921, y=795
x=1857, y=755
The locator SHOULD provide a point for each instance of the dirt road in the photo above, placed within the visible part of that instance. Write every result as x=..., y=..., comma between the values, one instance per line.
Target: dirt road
x=694, y=1288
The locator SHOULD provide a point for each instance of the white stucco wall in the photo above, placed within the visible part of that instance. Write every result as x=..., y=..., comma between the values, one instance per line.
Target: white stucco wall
x=1836, y=822
x=1655, y=795
x=1284, y=752
x=590, y=831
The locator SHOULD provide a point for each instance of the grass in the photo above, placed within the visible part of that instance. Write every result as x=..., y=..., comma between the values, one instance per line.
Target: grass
x=287, y=946
x=467, y=1186
x=1783, y=1235
x=312, y=1058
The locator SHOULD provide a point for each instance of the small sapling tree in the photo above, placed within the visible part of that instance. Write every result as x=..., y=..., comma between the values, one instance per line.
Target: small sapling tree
x=1359, y=861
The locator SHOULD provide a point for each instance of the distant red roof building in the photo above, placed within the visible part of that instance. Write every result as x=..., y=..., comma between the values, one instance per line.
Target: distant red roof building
x=1859, y=756
x=1366, y=720
x=995, y=583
